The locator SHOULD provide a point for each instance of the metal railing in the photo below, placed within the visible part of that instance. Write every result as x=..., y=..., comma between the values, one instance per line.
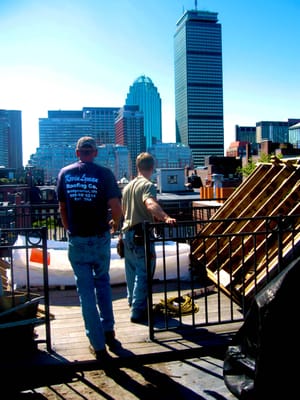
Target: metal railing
x=33, y=216
x=26, y=308
x=226, y=261
x=28, y=216
x=227, y=268
x=41, y=222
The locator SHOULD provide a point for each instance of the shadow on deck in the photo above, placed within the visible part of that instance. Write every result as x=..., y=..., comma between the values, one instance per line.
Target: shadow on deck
x=70, y=356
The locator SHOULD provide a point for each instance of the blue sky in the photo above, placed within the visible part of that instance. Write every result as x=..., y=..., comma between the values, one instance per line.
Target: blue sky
x=72, y=54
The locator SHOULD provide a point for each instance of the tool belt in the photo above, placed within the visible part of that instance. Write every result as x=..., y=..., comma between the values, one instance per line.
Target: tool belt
x=138, y=237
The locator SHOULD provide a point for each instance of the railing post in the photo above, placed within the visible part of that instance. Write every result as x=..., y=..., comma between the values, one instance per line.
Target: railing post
x=147, y=242
x=280, y=223
x=44, y=231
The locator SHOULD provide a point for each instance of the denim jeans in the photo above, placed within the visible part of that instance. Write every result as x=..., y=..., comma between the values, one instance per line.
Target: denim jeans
x=136, y=274
x=90, y=260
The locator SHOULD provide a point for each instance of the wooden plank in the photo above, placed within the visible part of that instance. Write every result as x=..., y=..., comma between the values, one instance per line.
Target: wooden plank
x=288, y=191
x=256, y=269
x=223, y=286
x=260, y=257
x=264, y=204
x=237, y=197
x=274, y=193
x=265, y=269
x=265, y=273
x=236, y=204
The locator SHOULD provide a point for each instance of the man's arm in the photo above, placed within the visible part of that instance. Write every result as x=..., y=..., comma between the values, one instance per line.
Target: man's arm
x=116, y=213
x=63, y=214
x=158, y=213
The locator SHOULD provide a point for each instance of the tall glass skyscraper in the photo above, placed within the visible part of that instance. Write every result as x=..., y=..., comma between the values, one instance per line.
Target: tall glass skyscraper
x=199, y=84
x=144, y=94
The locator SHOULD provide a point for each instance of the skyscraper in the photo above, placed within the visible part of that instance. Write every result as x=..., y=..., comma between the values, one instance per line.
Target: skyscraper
x=129, y=127
x=11, y=150
x=199, y=84
x=144, y=94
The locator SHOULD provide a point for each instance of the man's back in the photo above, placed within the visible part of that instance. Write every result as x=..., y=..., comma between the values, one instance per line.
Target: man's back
x=86, y=187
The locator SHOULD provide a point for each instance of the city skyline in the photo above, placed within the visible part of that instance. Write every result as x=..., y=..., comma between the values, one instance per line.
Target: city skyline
x=72, y=55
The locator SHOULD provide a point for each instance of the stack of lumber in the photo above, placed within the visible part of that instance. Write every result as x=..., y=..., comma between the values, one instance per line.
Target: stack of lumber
x=225, y=246
x=4, y=265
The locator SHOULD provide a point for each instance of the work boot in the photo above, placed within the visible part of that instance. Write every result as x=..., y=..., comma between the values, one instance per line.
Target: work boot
x=111, y=341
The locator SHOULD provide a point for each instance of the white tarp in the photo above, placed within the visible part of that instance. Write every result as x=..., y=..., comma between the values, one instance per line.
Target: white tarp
x=60, y=272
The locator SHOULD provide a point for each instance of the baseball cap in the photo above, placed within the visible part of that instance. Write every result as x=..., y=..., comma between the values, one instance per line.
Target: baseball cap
x=86, y=143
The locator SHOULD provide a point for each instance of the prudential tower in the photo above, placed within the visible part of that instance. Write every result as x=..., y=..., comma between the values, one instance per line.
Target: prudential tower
x=199, y=84
x=144, y=94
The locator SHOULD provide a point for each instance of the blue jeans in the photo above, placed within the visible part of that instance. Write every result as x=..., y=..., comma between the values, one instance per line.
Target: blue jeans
x=90, y=260
x=136, y=274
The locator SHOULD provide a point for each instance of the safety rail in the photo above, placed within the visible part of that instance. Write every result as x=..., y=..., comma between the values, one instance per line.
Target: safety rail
x=229, y=264
x=21, y=308
x=33, y=216
x=27, y=216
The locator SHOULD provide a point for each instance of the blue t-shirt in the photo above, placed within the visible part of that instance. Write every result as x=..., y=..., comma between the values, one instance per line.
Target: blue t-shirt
x=86, y=187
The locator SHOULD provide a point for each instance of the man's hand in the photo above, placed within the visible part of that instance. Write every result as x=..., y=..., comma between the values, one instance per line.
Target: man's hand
x=170, y=220
x=113, y=226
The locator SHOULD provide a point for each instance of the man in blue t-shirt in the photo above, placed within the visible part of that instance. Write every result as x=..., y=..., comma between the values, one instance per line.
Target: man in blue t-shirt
x=90, y=207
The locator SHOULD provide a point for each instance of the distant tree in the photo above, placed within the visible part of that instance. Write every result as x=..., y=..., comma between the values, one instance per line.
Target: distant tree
x=250, y=167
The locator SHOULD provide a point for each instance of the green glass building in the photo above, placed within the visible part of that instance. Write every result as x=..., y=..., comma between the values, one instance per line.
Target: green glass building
x=144, y=94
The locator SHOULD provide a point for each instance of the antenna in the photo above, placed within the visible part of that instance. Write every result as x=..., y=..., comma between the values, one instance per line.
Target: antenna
x=195, y=4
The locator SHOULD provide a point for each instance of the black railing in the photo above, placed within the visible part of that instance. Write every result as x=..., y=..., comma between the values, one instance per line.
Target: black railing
x=218, y=265
x=227, y=268
x=33, y=216
x=28, y=216
x=22, y=308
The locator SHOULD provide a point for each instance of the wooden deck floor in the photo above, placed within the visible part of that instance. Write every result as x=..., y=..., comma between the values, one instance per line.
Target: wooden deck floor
x=70, y=347
x=68, y=338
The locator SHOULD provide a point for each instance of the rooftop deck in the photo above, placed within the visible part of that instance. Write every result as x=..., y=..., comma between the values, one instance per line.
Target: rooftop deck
x=70, y=353
x=245, y=244
x=69, y=340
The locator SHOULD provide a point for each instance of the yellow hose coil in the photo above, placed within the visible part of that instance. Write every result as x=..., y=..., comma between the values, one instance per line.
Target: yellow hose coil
x=183, y=305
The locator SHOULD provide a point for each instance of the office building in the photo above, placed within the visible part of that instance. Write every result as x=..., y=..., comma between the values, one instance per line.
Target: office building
x=294, y=135
x=274, y=131
x=239, y=149
x=129, y=127
x=245, y=144
x=51, y=158
x=144, y=94
x=102, y=121
x=171, y=155
x=245, y=134
x=59, y=133
x=66, y=126
x=11, y=149
x=114, y=157
x=199, y=84
x=63, y=127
